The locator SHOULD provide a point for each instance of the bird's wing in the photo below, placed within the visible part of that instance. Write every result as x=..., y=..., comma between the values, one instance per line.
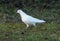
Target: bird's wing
x=32, y=19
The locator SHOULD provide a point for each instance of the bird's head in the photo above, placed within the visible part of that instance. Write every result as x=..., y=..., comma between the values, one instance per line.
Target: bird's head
x=19, y=11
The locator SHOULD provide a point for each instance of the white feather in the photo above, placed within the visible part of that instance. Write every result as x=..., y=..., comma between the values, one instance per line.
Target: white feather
x=29, y=20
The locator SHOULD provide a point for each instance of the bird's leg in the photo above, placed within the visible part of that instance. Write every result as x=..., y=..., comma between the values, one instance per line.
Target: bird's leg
x=34, y=25
x=25, y=29
x=27, y=26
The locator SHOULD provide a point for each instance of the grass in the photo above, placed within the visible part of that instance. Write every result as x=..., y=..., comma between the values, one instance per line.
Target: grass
x=43, y=32
x=49, y=31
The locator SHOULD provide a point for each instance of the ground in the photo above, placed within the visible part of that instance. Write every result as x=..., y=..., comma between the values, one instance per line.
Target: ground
x=43, y=32
x=13, y=31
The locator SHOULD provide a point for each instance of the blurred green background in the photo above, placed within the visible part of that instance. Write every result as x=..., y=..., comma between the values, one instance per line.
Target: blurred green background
x=11, y=26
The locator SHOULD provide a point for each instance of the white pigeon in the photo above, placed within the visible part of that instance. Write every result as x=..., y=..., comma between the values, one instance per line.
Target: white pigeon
x=29, y=20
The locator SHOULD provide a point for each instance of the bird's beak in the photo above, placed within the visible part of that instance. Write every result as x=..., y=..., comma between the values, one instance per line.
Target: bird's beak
x=16, y=12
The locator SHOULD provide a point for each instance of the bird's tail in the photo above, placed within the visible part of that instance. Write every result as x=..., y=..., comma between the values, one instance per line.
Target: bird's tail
x=41, y=21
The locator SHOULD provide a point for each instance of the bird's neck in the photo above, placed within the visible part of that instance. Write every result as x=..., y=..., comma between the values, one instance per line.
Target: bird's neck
x=22, y=14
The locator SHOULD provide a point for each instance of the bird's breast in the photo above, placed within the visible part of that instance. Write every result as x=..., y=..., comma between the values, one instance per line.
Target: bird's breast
x=26, y=20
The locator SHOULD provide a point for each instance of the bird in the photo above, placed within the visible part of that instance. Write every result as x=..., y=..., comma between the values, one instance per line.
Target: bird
x=29, y=20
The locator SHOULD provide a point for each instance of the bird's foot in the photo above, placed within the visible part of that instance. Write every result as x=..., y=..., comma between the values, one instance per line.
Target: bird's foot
x=23, y=31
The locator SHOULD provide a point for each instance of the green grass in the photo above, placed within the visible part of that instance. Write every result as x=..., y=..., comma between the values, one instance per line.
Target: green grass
x=43, y=32
x=49, y=31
